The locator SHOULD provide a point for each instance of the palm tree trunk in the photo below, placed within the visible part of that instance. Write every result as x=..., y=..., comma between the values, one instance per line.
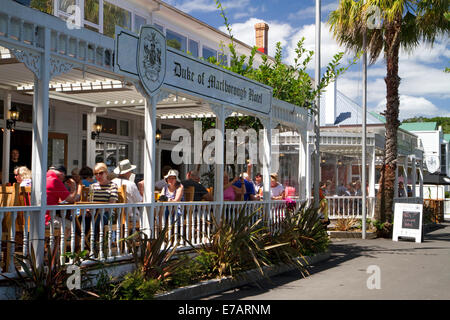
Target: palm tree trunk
x=385, y=196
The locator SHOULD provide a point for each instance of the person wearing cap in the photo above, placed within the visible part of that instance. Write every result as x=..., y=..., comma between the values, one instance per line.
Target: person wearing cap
x=174, y=189
x=123, y=172
x=276, y=189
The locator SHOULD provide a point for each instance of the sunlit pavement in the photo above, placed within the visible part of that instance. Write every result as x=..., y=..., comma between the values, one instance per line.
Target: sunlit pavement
x=393, y=270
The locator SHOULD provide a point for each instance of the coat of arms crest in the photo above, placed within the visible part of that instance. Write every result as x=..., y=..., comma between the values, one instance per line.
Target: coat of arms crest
x=151, y=58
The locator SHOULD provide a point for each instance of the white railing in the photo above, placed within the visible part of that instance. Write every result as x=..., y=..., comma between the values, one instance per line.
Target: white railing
x=99, y=228
x=349, y=207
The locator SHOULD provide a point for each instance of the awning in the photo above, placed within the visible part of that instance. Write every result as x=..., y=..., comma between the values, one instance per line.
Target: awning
x=436, y=178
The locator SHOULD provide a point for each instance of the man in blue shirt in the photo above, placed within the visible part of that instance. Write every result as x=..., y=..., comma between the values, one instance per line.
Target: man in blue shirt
x=250, y=193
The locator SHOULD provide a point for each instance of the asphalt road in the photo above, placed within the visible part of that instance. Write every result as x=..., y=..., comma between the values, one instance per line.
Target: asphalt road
x=403, y=270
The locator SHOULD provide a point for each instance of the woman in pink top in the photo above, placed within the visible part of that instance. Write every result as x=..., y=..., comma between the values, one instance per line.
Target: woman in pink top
x=229, y=190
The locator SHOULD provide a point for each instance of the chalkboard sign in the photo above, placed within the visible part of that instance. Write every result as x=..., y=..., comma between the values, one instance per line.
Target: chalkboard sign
x=411, y=220
x=407, y=221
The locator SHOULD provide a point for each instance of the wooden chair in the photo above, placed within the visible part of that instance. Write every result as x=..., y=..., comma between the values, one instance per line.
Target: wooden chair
x=84, y=194
x=189, y=193
x=6, y=200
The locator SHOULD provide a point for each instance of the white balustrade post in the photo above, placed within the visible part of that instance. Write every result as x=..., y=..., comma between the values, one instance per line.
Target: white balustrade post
x=39, y=151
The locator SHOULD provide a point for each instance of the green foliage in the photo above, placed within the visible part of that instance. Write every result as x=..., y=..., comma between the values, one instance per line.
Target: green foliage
x=152, y=257
x=42, y=5
x=195, y=270
x=49, y=280
x=235, y=246
x=136, y=287
x=303, y=233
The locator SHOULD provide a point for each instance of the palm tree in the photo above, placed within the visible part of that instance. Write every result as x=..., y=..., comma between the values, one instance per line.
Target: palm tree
x=403, y=24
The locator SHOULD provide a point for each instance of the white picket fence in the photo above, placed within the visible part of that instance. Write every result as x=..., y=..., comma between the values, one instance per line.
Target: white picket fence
x=70, y=226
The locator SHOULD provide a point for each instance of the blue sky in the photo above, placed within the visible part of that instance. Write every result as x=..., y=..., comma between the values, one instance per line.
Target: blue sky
x=424, y=88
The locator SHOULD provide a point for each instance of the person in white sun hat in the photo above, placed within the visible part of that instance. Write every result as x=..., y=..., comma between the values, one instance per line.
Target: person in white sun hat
x=174, y=189
x=124, y=172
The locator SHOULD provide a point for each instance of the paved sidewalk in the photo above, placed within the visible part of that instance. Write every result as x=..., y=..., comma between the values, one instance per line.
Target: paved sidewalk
x=408, y=270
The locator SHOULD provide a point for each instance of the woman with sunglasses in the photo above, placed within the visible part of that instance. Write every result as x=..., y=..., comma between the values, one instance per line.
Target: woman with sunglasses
x=103, y=191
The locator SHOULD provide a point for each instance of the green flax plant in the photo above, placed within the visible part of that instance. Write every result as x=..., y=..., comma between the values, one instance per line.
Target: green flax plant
x=152, y=258
x=48, y=281
x=234, y=245
x=300, y=234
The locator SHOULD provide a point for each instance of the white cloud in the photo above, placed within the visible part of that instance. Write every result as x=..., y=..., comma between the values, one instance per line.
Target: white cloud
x=328, y=46
x=413, y=106
x=245, y=32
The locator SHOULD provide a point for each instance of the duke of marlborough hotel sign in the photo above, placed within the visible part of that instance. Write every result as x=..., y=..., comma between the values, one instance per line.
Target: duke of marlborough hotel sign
x=147, y=58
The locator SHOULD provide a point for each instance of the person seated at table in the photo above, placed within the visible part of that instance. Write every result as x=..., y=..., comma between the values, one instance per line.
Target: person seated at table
x=174, y=190
x=86, y=176
x=124, y=172
x=276, y=189
x=200, y=192
x=56, y=191
x=249, y=193
x=160, y=184
x=258, y=186
x=103, y=190
x=23, y=176
x=230, y=191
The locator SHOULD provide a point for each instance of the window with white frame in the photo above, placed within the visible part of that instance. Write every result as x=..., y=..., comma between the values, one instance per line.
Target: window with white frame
x=176, y=40
x=193, y=48
x=209, y=53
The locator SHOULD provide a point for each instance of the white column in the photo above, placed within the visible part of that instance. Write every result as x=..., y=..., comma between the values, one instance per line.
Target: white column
x=39, y=151
x=267, y=157
x=303, y=164
x=372, y=173
x=405, y=173
x=221, y=115
x=308, y=169
x=6, y=138
x=149, y=163
x=90, y=143
x=396, y=183
x=421, y=179
x=414, y=176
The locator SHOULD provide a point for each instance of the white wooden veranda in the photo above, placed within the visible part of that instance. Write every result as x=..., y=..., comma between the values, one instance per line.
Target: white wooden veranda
x=40, y=52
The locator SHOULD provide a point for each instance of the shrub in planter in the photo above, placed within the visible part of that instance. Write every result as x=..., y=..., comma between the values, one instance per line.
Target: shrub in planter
x=304, y=234
x=151, y=257
x=236, y=245
x=49, y=280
